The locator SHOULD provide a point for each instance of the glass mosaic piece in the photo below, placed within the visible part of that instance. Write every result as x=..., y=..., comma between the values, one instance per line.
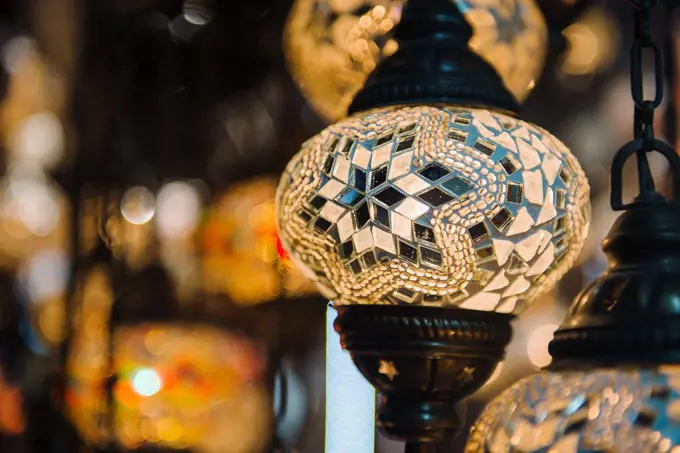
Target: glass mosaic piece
x=518, y=286
x=527, y=247
x=482, y=301
x=435, y=197
x=361, y=215
x=533, y=186
x=363, y=240
x=507, y=305
x=485, y=146
x=506, y=141
x=527, y=154
x=600, y=410
x=401, y=165
x=390, y=196
x=378, y=177
x=384, y=240
x=450, y=223
x=405, y=144
x=548, y=211
x=359, y=181
x=345, y=226
x=514, y=193
x=383, y=139
x=458, y=135
x=457, y=186
x=544, y=261
x=381, y=216
x=331, y=189
x=361, y=157
x=412, y=183
x=522, y=132
x=424, y=233
x=351, y=197
x=522, y=222
x=433, y=172
x=380, y=156
x=485, y=254
x=401, y=226
x=550, y=167
x=411, y=208
x=341, y=168
x=499, y=281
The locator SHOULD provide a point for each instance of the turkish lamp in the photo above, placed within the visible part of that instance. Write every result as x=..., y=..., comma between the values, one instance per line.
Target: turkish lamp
x=614, y=381
x=430, y=217
x=333, y=45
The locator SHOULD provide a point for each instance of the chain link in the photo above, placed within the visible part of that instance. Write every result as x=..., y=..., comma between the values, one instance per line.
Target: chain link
x=644, y=141
x=645, y=108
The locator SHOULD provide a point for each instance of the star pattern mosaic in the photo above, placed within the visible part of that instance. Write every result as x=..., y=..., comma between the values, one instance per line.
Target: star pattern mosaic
x=603, y=410
x=433, y=206
x=332, y=45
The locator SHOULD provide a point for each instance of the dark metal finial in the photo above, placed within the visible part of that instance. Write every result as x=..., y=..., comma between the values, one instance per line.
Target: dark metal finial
x=434, y=64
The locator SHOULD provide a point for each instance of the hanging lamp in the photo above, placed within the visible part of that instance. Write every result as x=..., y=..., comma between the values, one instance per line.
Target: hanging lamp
x=614, y=383
x=430, y=217
x=333, y=45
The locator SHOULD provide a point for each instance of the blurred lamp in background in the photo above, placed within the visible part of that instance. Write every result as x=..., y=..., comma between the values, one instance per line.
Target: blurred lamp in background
x=242, y=255
x=165, y=390
x=432, y=205
x=332, y=45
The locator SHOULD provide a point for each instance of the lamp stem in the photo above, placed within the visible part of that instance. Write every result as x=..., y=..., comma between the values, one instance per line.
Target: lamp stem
x=420, y=447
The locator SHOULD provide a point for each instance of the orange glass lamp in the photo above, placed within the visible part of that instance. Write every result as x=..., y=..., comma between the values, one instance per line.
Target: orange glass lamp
x=242, y=255
x=178, y=386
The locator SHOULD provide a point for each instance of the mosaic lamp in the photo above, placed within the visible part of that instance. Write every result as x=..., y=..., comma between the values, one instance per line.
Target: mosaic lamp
x=614, y=382
x=430, y=217
x=333, y=45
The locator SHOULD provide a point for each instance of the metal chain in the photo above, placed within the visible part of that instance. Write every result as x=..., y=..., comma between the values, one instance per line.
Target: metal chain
x=645, y=108
x=645, y=140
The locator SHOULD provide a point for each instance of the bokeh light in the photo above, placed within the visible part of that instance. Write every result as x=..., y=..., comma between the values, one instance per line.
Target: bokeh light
x=40, y=140
x=537, y=344
x=178, y=209
x=146, y=381
x=138, y=205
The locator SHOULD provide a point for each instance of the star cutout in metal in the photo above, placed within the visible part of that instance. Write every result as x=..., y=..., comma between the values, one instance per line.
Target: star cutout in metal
x=388, y=369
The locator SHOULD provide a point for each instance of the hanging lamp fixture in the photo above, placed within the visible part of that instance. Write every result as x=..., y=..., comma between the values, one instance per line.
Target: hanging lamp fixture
x=614, y=383
x=430, y=217
x=333, y=45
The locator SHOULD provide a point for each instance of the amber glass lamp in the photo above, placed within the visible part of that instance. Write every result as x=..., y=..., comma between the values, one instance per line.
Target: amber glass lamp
x=242, y=255
x=332, y=45
x=430, y=217
x=188, y=385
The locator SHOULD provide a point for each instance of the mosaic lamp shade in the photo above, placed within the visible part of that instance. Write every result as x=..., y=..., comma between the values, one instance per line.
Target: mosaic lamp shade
x=602, y=409
x=440, y=206
x=332, y=45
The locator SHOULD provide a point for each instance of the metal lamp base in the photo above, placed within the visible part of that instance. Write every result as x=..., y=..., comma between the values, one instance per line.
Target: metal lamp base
x=423, y=361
